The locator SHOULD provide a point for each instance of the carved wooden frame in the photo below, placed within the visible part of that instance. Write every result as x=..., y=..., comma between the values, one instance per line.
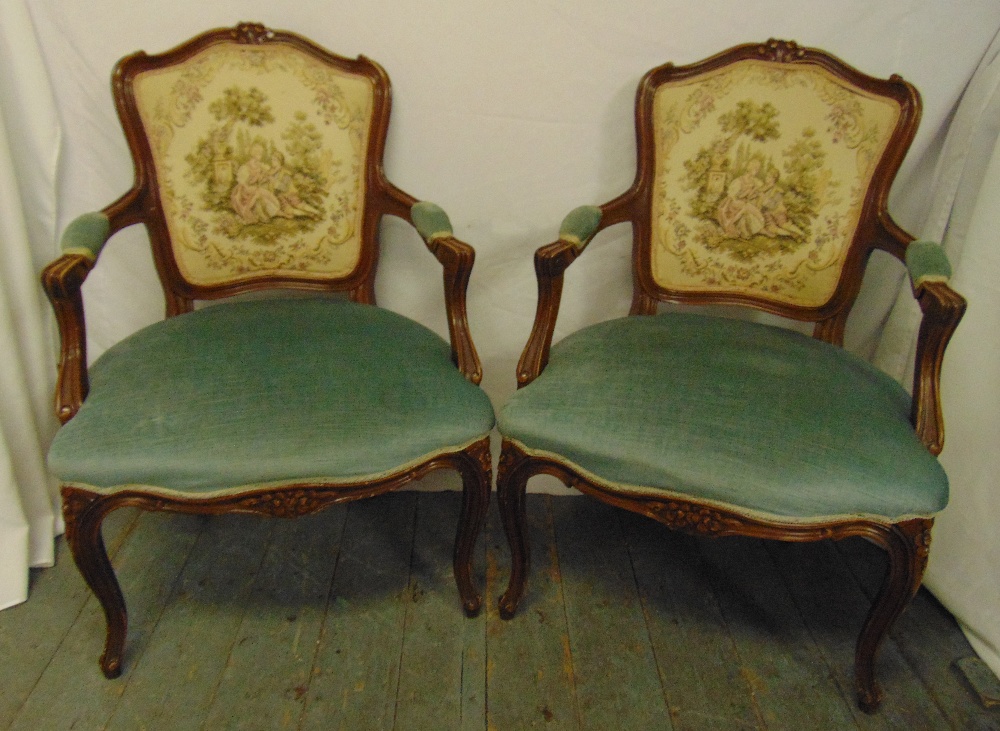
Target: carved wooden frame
x=84, y=512
x=63, y=279
x=907, y=542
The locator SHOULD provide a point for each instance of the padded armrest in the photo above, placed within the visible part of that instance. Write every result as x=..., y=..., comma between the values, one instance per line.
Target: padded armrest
x=580, y=225
x=431, y=221
x=926, y=262
x=457, y=258
x=86, y=235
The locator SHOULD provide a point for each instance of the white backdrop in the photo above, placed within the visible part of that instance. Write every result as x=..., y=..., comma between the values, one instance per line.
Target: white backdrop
x=506, y=114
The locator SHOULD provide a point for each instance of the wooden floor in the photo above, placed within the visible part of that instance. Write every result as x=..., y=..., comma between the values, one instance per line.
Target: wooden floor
x=350, y=620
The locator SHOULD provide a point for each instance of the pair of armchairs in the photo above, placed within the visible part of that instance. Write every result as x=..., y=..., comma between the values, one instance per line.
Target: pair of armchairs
x=762, y=182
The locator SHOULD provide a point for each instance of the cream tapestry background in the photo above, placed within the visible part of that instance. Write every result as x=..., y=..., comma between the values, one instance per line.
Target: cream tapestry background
x=261, y=161
x=751, y=195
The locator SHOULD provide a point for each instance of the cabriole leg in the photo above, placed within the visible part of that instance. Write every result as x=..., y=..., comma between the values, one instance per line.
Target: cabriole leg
x=512, y=482
x=907, y=544
x=84, y=513
x=476, y=469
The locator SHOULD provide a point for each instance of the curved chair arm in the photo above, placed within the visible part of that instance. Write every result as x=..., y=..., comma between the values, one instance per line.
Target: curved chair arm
x=942, y=309
x=62, y=279
x=576, y=231
x=456, y=258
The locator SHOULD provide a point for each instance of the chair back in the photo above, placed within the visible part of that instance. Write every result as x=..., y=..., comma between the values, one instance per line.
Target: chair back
x=255, y=151
x=765, y=171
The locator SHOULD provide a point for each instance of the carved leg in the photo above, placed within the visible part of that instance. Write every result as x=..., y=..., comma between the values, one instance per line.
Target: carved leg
x=477, y=477
x=907, y=544
x=84, y=512
x=512, y=481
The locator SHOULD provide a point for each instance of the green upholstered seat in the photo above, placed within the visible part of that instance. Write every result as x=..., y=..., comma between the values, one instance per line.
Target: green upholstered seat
x=269, y=391
x=754, y=417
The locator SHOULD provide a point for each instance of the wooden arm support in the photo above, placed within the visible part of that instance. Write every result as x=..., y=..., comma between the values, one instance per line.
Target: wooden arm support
x=551, y=262
x=457, y=258
x=62, y=280
x=942, y=309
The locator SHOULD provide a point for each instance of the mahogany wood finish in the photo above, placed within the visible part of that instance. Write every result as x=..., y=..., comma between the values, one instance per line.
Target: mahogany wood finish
x=84, y=510
x=907, y=542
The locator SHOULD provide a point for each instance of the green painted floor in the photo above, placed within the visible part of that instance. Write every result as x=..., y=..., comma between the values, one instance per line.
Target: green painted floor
x=350, y=620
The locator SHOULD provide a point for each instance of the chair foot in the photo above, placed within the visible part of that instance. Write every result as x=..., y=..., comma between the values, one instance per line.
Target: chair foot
x=111, y=666
x=472, y=608
x=84, y=512
x=508, y=604
x=908, y=545
x=476, y=467
x=512, y=482
x=869, y=699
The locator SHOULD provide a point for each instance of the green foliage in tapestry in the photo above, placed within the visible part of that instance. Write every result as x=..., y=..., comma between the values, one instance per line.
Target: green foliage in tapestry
x=258, y=190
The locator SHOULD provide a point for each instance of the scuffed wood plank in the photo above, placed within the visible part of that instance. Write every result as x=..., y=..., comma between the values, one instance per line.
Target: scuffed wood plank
x=616, y=678
x=72, y=692
x=174, y=681
x=698, y=663
x=356, y=670
x=791, y=683
x=442, y=683
x=267, y=675
x=930, y=640
x=529, y=667
x=33, y=631
x=834, y=609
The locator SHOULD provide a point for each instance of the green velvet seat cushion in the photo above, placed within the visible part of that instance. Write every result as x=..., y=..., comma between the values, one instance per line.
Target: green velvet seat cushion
x=762, y=419
x=268, y=391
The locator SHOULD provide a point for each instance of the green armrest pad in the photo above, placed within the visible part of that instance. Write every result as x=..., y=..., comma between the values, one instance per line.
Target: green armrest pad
x=765, y=421
x=927, y=262
x=580, y=225
x=86, y=235
x=430, y=220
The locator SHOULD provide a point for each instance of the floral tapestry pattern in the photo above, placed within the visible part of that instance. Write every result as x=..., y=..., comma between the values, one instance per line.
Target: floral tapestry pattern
x=761, y=174
x=259, y=157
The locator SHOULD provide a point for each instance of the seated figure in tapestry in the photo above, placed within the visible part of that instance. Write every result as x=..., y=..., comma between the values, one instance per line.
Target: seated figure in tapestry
x=744, y=203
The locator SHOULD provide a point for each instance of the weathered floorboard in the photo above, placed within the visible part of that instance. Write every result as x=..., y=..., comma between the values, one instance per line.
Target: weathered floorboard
x=929, y=639
x=73, y=693
x=834, y=608
x=698, y=663
x=356, y=670
x=57, y=597
x=791, y=683
x=613, y=663
x=174, y=682
x=270, y=666
x=350, y=619
x=529, y=668
x=443, y=658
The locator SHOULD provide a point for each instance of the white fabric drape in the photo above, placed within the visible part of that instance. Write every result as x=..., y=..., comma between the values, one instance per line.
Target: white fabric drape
x=964, y=570
x=29, y=144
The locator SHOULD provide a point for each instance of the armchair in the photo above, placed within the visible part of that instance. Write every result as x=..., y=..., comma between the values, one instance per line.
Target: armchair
x=258, y=169
x=762, y=180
